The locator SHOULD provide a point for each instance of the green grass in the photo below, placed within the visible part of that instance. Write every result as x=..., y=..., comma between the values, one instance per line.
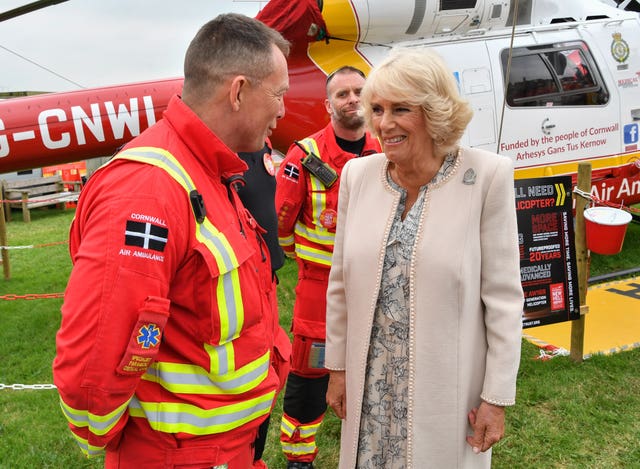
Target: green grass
x=568, y=415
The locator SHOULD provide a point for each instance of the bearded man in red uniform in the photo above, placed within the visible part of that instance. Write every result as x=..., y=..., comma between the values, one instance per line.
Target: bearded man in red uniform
x=307, y=203
x=167, y=352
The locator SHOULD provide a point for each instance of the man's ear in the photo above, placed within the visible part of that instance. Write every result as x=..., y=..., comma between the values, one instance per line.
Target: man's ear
x=327, y=106
x=236, y=91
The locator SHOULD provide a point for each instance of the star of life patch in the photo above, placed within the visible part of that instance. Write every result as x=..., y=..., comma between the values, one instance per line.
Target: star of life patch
x=149, y=336
x=143, y=347
x=146, y=235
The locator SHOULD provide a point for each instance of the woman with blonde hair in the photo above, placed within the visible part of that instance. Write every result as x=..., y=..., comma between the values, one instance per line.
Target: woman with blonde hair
x=424, y=302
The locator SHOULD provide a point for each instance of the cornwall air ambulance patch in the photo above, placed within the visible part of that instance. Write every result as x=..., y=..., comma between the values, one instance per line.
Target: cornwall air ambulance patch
x=145, y=235
x=291, y=172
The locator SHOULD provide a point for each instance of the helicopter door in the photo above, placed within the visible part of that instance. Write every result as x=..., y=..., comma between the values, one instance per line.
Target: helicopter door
x=558, y=106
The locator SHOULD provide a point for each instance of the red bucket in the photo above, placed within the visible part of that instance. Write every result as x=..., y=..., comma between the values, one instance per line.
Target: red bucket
x=606, y=227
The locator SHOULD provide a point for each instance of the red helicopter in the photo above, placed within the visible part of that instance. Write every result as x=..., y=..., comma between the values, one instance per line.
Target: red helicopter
x=551, y=84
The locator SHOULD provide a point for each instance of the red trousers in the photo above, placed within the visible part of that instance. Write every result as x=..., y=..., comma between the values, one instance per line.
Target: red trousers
x=142, y=447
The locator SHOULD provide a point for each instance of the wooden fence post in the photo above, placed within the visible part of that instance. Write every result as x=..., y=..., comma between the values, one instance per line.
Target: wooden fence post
x=3, y=242
x=582, y=254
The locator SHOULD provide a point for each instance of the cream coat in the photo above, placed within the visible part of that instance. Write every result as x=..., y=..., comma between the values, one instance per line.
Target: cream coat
x=466, y=301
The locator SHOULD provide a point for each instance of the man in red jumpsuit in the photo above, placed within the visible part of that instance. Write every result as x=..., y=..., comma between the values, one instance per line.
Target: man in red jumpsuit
x=307, y=203
x=168, y=350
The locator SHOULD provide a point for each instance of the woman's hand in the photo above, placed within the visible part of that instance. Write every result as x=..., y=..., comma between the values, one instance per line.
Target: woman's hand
x=336, y=393
x=487, y=422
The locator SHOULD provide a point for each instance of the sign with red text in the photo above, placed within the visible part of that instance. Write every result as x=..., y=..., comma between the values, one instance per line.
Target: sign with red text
x=573, y=143
x=548, y=268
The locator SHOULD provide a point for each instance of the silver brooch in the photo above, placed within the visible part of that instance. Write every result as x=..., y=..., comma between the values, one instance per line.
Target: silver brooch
x=469, y=177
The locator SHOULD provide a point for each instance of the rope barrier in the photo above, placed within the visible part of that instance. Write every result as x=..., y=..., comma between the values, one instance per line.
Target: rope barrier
x=596, y=201
x=20, y=387
x=32, y=246
x=31, y=296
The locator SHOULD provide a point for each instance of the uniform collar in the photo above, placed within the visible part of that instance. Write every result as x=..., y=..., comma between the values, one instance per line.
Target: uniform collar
x=334, y=152
x=337, y=154
x=207, y=148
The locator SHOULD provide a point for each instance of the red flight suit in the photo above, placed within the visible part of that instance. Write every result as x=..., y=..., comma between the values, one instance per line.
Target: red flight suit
x=307, y=214
x=165, y=355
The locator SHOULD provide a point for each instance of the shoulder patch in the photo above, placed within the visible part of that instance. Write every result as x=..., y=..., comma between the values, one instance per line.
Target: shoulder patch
x=291, y=172
x=146, y=235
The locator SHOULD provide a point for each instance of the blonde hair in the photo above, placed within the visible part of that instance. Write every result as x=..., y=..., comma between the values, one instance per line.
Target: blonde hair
x=419, y=77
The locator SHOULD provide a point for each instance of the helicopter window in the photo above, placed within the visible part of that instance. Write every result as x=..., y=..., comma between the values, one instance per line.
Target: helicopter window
x=553, y=75
x=529, y=79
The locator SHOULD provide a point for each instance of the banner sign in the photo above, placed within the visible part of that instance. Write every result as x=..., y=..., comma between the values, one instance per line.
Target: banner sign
x=548, y=267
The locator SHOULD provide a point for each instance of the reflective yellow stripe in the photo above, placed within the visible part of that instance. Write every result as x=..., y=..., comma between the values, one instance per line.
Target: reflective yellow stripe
x=161, y=158
x=286, y=241
x=186, y=418
x=192, y=379
x=287, y=426
x=96, y=424
x=318, y=190
x=313, y=255
x=305, y=431
x=89, y=450
x=222, y=359
x=298, y=449
x=229, y=298
x=317, y=236
x=318, y=198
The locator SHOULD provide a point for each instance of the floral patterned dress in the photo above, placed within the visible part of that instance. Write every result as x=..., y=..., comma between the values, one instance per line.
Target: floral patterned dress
x=383, y=424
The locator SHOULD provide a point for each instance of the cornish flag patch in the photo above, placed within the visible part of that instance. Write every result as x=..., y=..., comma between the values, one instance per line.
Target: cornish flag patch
x=291, y=171
x=145, y=235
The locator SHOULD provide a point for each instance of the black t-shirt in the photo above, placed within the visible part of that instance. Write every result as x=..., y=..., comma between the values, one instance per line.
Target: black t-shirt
x=352, y=146
x=258, y=196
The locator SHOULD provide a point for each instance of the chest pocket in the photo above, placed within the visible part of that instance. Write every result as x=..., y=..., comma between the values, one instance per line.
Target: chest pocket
x=231, y=300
